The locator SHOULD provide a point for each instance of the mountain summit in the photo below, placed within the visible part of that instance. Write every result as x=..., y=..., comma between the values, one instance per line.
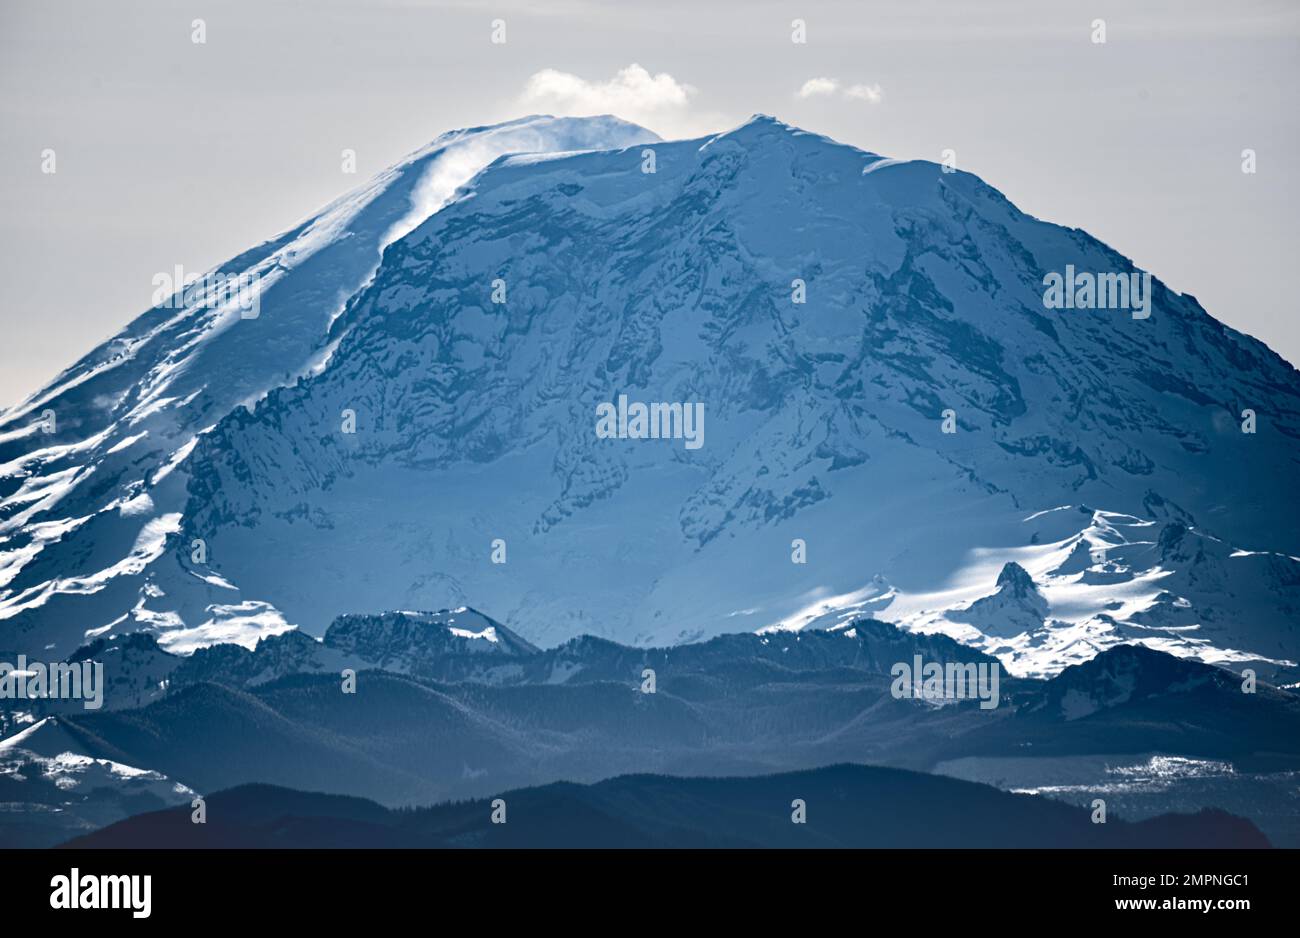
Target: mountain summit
x=890, y=413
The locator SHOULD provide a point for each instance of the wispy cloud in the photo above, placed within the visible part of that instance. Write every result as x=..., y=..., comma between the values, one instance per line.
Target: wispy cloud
x=826, y=87
x=660, y=101
x=870, y=93
x=815, y=87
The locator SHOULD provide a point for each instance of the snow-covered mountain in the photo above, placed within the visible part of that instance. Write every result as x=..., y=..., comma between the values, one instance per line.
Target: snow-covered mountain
x=449, y=645
x=419, y=429
x=89, y=513
x=1084, y=579
x=398, y=641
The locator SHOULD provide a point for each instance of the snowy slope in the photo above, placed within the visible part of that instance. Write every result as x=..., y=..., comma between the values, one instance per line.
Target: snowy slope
x=52, y=790
x=86, y=513
x=1081, y=580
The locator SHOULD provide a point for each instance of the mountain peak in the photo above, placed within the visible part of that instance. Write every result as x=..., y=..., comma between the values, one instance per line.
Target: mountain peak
x=1129, y=672
x=411, y=636
x=596, y=123
x=1015, y=580
x=757, y=127
x=767, y=120
x=1014, y=607
x=765, y=133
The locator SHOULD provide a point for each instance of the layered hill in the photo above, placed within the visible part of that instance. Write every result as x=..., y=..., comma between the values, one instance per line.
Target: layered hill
x=845, y=807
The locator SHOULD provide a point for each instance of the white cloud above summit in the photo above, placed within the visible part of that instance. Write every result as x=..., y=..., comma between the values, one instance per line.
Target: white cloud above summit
x=816, y=87
x=658, y=101
x=828, y=87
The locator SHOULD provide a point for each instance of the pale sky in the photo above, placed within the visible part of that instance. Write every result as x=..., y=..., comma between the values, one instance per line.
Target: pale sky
x=170, y=152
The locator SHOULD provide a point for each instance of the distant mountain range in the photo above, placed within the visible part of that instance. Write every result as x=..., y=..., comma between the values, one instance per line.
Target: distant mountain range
x=844, y=806
x=469, y=716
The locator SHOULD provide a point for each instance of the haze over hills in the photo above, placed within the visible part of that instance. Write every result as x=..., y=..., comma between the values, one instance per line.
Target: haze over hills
x=844, y=806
